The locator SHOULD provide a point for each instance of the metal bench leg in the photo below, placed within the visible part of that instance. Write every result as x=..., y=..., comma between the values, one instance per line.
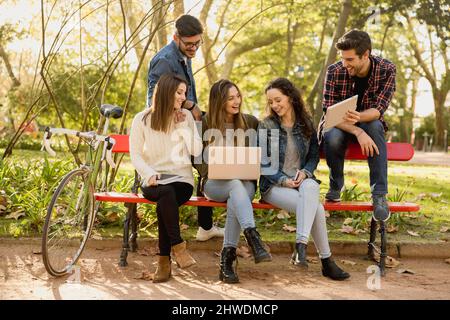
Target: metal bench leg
x=126, y=227
x=383, y=253
x=133, y=237
x=373, y=236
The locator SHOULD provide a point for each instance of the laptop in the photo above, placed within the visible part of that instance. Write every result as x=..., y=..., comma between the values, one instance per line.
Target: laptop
x=336, y=112
x=225, y=163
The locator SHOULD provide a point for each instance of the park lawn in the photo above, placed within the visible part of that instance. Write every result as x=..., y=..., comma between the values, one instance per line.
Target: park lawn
x=424, y=184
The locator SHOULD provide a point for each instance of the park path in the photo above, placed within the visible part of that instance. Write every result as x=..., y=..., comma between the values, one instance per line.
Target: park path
x=23, y=276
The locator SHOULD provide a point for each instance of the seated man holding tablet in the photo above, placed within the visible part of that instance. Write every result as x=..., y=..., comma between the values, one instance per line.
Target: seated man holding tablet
x=373, y=80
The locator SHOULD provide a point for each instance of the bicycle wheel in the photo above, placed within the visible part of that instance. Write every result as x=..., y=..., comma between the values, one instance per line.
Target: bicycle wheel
x=68, y=224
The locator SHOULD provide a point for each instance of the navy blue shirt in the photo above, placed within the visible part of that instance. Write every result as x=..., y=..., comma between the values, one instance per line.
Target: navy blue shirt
x=170, y=60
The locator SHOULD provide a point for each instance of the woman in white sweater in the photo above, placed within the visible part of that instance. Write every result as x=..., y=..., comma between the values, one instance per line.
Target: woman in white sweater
x=162, y=139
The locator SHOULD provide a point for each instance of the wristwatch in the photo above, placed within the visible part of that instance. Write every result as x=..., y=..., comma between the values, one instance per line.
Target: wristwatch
x=192, y=107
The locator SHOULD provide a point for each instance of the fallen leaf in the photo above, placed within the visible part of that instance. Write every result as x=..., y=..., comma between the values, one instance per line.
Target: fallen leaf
x=283, y=215
x=409, y=271
x=436, y=195
x=147, y=252
x=243, y=252
x=312, y=260
x=347, y=229
x=97, y=237
x=348, y=262
x=348, y=221
x=412, y=233
x=112, y=216
x=16, y=215
x=392, y=229
x=444, y=229
x=268, y=225
x=145, y=275
x=447, y=260
x=2, y=207
x=327, y=214
x=184, y=227
x=389, y=262
x=289, y=228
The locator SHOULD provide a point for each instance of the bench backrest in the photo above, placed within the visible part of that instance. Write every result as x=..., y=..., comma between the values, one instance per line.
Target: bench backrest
x=396, y=151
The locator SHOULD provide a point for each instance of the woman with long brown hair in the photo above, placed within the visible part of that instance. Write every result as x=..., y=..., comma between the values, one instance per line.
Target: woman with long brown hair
x=162, y=139
x=290, y=156
x=226, y=125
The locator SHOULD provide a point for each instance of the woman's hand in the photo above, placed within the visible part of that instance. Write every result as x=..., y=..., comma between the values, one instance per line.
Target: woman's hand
x=152, y=181
x=179, y=116
x=299, y=177
x=291, y=183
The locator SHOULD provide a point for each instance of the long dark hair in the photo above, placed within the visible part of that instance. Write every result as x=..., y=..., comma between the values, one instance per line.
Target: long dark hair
x=163, y=101
x=301, y=112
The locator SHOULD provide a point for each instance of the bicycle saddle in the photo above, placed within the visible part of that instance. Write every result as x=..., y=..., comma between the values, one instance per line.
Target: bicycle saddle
x=109, y=110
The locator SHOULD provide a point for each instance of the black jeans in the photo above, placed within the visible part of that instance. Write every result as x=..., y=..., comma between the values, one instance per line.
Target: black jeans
x=204, y=214
x=168, y=199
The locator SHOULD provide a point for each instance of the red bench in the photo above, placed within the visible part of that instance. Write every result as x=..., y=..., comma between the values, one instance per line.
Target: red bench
x=395, y=151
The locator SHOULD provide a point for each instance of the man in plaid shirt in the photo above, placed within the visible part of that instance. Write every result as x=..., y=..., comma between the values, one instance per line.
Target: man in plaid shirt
x=373, y=80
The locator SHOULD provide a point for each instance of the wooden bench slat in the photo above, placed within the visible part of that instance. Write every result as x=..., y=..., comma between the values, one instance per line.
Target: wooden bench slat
x=203, y=202
x=396, y=151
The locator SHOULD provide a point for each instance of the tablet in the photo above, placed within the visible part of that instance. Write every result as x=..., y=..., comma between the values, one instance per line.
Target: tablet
x=335, y=114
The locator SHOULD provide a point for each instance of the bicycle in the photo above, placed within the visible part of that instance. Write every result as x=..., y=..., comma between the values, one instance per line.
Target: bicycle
x=72, y=209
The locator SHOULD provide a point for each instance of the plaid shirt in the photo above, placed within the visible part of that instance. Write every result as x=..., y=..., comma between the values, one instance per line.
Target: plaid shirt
x=339, y=85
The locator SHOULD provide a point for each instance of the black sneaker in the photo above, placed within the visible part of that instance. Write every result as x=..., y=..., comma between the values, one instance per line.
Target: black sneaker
x=380, y=208
x=333, y=196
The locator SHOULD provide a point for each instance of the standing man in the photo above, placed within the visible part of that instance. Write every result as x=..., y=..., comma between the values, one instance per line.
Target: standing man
x=176, y=58
x=372, y=78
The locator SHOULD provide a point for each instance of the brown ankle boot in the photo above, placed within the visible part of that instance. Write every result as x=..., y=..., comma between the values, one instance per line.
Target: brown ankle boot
x=163, y=271
x=182, y=256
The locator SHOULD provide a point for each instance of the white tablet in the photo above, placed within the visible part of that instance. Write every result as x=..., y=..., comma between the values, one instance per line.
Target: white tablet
x=335, y=114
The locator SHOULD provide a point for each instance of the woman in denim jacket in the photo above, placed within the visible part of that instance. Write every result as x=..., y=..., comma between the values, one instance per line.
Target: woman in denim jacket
x=290, y=154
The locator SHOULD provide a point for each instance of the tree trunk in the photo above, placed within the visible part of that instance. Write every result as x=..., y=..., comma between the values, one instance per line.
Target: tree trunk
x=178, y=8
x=15, y=84
x=211, y=70
x=340, y=28
x=439, y=101
x=161, y=35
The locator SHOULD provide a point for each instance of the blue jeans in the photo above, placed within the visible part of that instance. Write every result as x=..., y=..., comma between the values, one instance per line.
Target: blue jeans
x=310, y=214
x=335, y=142
x=239, y=195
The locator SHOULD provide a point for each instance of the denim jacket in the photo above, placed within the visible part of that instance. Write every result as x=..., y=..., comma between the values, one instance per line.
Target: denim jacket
x=269, y=140
x=170, y=60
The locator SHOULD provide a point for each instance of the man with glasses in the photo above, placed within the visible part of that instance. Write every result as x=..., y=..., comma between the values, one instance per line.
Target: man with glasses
x=176, y=58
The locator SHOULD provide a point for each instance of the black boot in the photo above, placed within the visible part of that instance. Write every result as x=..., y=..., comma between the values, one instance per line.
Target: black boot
x=256, y=245
x=331, y=270
x=299, y=256
x=227, y=274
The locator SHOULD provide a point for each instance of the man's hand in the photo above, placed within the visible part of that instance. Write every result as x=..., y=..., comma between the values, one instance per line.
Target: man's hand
x=352, y=117
x=368, y=147
x=196, y=112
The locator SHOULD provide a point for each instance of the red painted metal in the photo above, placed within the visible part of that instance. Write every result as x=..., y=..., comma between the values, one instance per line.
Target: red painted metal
x=203, y=202
x=396, y=151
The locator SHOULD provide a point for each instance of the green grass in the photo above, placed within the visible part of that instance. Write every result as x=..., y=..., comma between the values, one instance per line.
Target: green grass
x=426, y=185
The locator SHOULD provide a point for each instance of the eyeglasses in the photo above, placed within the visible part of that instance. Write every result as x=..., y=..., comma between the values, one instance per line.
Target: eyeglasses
x=191, y=45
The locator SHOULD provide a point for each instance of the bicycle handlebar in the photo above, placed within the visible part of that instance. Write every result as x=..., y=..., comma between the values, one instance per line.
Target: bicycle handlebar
x=91, y=135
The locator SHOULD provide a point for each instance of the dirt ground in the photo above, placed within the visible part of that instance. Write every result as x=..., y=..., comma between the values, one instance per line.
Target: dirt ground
x=23, y=276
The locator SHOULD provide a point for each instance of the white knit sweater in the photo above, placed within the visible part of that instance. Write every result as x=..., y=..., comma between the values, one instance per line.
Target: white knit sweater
x=155, y=152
